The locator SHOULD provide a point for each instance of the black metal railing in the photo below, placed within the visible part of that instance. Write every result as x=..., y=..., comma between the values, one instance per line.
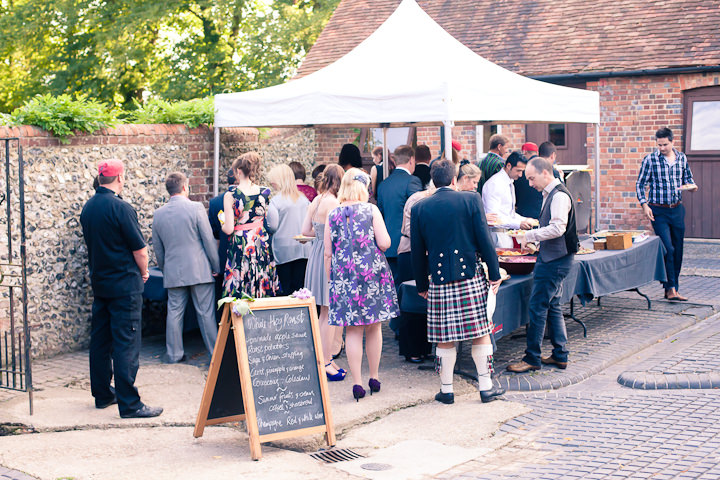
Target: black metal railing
x=15, y=371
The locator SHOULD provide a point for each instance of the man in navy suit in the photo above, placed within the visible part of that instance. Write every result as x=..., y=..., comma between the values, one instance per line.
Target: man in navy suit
x=447, y=232
x=393, y=192
x=215, y=206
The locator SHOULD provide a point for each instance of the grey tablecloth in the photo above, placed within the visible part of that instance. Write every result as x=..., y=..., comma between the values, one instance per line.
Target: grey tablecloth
x=610, y=271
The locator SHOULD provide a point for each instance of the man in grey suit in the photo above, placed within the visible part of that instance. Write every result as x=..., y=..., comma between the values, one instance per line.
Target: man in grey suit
x=187, y=254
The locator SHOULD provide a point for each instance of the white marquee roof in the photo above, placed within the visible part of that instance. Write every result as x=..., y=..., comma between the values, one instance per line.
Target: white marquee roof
x=377, y=84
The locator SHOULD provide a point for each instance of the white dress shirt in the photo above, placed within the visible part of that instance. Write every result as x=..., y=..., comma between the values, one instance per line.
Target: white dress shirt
x=498, y=196
x=559, y=210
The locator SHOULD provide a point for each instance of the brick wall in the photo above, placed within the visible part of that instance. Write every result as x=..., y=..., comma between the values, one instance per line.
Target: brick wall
x=631, y=110
x=329, y=141
x=58, y=182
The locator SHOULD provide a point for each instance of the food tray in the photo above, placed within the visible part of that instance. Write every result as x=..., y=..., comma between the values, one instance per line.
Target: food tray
x=303, y=238
x=518, y=265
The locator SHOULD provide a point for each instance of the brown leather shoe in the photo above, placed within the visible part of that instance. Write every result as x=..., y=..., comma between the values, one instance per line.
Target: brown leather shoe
x=521, y=367
x=551, y=361
x=674, y=296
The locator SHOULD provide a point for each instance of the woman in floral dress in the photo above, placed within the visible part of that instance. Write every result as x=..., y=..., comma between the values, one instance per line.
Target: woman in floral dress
x=250, y=267
x=362, y=292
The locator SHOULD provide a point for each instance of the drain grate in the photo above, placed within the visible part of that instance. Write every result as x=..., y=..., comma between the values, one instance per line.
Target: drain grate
x=377, y=467
x=335, y=455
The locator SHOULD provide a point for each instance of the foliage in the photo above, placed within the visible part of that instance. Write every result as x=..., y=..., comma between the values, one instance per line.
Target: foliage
x=121, y=52
x=64, y=115
x=191, y=113
x=5, y=120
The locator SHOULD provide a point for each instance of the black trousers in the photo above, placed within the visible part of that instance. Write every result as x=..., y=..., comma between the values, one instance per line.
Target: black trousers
x=292, y=275
x=413, y=335
x=115, y=348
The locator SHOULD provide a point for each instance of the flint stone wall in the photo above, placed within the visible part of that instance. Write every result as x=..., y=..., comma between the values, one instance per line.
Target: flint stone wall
x=58, y=182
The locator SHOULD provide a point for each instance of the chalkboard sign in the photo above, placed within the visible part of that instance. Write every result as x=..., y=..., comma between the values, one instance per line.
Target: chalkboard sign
x=268, y=372
x=283, y=368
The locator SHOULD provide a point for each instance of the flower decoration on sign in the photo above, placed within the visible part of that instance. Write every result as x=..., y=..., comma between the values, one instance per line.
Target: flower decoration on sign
x=240, y=306
x=302, y=294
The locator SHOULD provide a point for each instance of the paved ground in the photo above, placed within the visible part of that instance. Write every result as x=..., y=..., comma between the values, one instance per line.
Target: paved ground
x=600, y=429
x=621, y=326
x=583, y=423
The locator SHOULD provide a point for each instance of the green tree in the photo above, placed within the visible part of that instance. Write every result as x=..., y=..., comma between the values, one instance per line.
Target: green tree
x=122, y=51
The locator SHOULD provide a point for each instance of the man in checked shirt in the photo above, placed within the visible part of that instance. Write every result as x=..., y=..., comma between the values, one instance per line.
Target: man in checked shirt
x=666, y=172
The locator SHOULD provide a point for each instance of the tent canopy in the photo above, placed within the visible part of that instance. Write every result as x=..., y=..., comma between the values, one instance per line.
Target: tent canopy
x=376, y=84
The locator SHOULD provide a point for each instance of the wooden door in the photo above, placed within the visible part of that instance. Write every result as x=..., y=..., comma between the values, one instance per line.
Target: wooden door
x=702, y=147
x=569, y=139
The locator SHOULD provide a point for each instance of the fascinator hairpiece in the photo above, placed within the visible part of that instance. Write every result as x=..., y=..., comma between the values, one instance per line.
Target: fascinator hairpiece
x=362, y=179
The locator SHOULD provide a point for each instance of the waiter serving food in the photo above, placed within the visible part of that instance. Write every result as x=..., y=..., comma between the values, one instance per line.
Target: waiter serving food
x=558, y=244
x=498, y=196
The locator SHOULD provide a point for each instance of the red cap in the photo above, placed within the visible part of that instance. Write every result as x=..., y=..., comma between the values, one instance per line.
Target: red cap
x=457, y=145
x=530, y=147
x=110, y=168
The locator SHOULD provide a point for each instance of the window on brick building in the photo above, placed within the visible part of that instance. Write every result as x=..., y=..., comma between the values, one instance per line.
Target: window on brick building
x=556, y=134
x=702, y=120
x=705, y=131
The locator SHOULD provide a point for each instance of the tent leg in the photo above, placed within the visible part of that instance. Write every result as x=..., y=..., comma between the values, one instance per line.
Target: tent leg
x=597, y=177
x=386, y=154
x=216, y=162
x=479, y=139
x=447, y=125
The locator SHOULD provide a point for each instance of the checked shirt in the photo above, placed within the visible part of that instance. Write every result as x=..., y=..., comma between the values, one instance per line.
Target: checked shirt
x=664, y=180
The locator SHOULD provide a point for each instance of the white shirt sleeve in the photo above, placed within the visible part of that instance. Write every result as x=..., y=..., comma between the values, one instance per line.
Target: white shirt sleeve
x=497, y=199
x=559, y=211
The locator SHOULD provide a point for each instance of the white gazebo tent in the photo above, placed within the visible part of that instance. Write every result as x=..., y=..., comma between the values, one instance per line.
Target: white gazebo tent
x=377, y=85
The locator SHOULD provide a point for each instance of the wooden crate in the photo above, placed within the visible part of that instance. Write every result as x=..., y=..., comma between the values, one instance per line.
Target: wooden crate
x=600, y=244
x=619, y=241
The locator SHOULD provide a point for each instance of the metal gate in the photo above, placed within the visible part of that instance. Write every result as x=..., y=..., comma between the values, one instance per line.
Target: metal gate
x=15, y=372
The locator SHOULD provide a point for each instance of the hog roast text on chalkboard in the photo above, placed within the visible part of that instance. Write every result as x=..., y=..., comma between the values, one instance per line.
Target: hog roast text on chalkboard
x=283, y=369
x=267, y=369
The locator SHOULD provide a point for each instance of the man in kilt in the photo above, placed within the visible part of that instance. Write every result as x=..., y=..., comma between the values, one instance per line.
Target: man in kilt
x=447, y=232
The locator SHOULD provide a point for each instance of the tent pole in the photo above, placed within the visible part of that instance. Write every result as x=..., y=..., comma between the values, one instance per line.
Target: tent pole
x=597, y=177
x=448, y=139
x=216, y=162
x=386, y=155
x=479, y=138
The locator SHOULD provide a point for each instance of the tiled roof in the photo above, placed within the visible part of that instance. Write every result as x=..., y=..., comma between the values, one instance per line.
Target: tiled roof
x=544, y=37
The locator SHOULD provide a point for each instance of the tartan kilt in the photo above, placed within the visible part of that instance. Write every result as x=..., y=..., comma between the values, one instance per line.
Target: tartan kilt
x=458, y=310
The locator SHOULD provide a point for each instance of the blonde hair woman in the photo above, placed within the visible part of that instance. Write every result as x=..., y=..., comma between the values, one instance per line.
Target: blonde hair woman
x=288, y=208
x=362, y=292
x=250, y=265
x=468, y=177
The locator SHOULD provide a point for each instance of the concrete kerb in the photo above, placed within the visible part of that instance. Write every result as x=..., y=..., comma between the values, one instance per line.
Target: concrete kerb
x=531, y=383
x=644, y=380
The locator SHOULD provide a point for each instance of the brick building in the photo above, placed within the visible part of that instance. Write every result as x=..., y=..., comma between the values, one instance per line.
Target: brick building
x=654, y=63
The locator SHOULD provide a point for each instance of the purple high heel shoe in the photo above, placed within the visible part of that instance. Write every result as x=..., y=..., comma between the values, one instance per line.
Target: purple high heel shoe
x=358, y=392
x=374, y=385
